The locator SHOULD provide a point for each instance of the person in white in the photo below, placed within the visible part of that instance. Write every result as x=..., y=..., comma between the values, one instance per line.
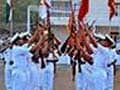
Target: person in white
x=94, y=76
x=111, y=64
x=102, y=58
x=20, y=74
x=7, y=55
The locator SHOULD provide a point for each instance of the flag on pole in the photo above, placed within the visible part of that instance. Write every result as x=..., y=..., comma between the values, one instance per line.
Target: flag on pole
x=9, y=10
x=84, y=8
x=111, y=5
x=44, y=4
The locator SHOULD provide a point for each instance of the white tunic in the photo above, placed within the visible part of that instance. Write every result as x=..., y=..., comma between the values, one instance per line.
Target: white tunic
x=21, y=74
x=93, y=77
x=101, y=59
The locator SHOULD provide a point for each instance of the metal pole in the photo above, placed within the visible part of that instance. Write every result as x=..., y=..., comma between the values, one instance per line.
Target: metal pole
x=28, y=19
x=110, y=26
x=11, y=23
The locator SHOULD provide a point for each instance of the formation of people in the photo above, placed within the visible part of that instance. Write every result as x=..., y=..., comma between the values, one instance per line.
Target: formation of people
x=30, y=59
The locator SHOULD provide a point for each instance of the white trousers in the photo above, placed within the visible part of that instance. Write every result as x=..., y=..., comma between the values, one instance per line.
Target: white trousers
x=110, y=79
x=98, y=79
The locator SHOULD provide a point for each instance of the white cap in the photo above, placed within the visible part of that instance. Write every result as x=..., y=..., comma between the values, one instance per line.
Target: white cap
x=14, y=37
x=24, y=34
x=99, y=35
x=110, y=39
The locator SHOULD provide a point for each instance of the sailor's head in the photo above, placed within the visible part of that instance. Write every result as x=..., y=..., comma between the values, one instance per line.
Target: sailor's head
x=106, y=40
x=18, y=39
x=25, y=36
x=15, y=39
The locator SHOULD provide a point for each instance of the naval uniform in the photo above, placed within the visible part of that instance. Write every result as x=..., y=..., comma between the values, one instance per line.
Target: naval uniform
x=99, y=75
x=20, y=74
x=93, y=77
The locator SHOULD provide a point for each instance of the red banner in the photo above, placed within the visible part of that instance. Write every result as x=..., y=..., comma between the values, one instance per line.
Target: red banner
x=111, y=5
x=84, y=8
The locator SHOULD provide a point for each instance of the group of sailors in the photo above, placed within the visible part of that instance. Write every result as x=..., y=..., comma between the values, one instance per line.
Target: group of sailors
x=30, y=60
x=93, y=56
x=27, y=64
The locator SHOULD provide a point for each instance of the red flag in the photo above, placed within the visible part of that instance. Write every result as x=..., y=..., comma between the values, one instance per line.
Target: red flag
x=111, y=5
x=83, y=9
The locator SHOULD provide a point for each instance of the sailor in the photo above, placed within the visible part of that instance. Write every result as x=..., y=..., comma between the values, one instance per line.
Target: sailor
x=7, y=54
x=20, y=56
x=94, y=76
x=102, y=58
x=111, y=64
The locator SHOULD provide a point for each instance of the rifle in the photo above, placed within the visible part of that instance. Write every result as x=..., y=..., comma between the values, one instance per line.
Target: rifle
x=73, y=28
x=114, y=66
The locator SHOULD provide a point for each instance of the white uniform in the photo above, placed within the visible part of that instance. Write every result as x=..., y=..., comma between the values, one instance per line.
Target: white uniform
x=8, y=69
x=20, y=74
x=48, y=77
x=80, y=78
x=93, y=77
x=35, y=76
x=99, y=75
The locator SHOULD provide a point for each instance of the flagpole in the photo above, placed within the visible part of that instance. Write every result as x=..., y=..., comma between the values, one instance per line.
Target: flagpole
x=110, y=28
x=11, y=27
x=11, y=19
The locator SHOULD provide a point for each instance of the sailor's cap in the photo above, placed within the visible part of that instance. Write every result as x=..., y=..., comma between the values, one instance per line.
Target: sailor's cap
x=99, y=36
x=109, y=38
x=15, y=37
x=23, y=34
